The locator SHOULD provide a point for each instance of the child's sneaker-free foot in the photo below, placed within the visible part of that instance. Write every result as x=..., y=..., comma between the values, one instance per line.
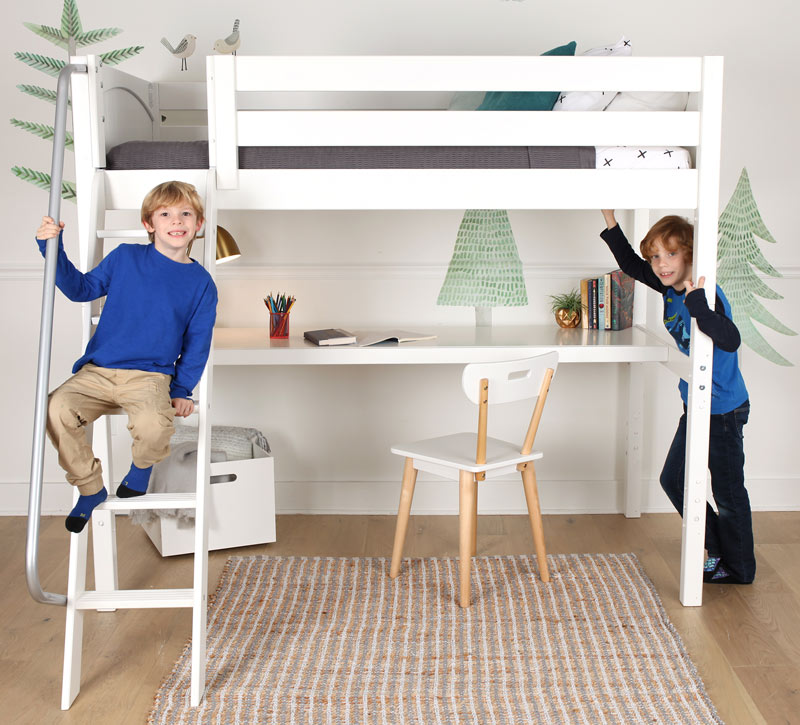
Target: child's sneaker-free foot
x=716, y=573
x=135, y=483
x=83, y=510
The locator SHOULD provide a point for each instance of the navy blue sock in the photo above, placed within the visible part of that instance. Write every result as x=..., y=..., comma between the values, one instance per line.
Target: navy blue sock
x=135, y=483
x=83, y=510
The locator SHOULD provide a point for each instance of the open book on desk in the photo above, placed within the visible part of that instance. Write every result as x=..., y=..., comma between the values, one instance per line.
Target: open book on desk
x=365, y=339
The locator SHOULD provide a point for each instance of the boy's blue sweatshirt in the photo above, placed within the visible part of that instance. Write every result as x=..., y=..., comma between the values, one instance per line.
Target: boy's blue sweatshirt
x=158, y=314
x=728, y=390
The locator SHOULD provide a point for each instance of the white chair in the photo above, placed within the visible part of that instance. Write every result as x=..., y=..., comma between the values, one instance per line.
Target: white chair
x=472, y=457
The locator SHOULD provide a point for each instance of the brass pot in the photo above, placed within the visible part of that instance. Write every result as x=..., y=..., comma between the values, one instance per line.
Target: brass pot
x=568, y=318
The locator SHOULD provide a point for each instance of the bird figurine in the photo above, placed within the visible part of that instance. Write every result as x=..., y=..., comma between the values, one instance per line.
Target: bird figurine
x=231, y=43
x=184, y=49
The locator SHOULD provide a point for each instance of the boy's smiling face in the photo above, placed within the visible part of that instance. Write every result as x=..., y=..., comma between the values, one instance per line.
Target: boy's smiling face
x=670, y=265
x=173, y=227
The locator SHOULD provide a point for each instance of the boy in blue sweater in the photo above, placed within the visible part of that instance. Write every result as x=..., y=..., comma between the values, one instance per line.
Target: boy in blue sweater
x=667, y=268
x=148, y=351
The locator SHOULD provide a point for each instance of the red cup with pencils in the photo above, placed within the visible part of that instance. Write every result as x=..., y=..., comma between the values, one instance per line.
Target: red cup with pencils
x=279, y=307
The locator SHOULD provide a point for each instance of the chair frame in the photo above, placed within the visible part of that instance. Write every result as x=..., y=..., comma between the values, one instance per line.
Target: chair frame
x=510, y=381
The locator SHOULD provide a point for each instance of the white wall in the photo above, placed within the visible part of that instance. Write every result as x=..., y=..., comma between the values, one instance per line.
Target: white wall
x=331, y=429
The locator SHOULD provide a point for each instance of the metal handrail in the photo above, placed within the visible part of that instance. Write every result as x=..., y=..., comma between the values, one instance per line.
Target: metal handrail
x=45, y=342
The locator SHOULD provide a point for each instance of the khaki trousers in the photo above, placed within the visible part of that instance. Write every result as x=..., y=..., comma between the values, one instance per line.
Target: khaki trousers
x=94, y=391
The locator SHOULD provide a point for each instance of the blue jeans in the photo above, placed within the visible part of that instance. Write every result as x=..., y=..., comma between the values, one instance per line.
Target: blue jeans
x=729, y=533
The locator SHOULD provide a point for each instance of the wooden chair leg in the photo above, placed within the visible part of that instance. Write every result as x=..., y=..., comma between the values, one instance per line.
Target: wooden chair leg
x=403, y=511
x=466, y=513
x=535, y=515
x=475, y=519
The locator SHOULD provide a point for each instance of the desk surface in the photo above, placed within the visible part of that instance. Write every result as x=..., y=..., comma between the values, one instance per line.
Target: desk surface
x=252, y=346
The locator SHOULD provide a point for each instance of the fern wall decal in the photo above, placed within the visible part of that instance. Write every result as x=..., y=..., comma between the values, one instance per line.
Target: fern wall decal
x=70, y=36
x=737, y=254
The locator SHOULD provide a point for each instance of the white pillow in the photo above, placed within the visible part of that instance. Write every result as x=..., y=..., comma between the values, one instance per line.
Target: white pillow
x=593, y=100
x=649, y=101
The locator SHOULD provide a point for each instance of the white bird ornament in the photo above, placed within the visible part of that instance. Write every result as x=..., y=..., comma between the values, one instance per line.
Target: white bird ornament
x=231, y=43
x=183, y=50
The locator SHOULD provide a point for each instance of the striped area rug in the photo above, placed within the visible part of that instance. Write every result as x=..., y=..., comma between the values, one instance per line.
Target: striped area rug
x=325, y=640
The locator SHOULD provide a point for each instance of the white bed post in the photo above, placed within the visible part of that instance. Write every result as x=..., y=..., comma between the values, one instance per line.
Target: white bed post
x=633, y=471
x=223, y=144
x=699, y=402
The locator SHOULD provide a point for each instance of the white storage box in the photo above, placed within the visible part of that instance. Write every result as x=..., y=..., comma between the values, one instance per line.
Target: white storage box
x=241, y=512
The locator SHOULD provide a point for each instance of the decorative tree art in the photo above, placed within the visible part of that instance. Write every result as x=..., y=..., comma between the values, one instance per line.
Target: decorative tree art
x=485, y=270
x=70, y=36
x=738, y=254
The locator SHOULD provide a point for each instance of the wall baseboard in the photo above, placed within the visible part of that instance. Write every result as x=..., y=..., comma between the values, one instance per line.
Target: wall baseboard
x=441, y=497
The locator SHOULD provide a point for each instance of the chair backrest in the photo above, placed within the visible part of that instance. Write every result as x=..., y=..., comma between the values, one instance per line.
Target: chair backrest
x=509, y=380
x=506, y=382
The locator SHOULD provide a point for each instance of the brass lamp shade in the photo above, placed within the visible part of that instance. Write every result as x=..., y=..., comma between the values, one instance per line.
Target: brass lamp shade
x=227, y=248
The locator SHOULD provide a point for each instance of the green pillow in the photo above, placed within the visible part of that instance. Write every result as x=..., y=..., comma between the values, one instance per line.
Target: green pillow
x=526, y=100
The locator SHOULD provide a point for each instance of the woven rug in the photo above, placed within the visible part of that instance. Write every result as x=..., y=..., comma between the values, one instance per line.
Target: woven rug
x=325, y=640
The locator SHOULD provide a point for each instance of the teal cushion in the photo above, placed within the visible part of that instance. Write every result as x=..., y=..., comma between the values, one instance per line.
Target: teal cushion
x=526, y=100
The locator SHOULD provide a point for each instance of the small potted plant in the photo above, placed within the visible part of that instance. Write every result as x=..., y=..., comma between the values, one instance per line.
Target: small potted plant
x=567, y=308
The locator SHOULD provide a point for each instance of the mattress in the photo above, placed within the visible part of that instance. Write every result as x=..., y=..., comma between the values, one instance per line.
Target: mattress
x=194, y=155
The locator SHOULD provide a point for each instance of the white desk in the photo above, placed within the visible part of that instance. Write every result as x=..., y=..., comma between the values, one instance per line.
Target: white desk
x=252, y=346
x=461, y=345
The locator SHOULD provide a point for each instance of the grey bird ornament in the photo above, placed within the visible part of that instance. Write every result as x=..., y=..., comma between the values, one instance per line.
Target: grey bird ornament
x=231, y=43
x=183, y=50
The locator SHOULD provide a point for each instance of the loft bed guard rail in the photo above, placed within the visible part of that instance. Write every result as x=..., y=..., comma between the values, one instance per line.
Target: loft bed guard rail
x=233, y=125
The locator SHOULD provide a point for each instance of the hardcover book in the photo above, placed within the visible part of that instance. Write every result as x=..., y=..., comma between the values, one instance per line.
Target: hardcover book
x=621, y=300
x=331, y=336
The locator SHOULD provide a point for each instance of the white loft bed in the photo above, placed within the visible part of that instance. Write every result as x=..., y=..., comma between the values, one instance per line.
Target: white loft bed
x=243, y=112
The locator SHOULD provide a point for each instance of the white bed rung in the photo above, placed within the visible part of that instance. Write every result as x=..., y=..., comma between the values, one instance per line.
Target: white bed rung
x=136, y=599
x=126, y=189
x=122, y=233
x=151, y=501
x=293, y=189
x=446, y=128
x=462, y=73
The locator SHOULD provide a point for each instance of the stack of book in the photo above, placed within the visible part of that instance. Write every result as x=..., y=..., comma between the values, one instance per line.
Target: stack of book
x=607, y=301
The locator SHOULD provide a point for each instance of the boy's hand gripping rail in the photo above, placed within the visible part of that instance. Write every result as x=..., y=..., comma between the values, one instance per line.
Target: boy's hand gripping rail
x=45, y=340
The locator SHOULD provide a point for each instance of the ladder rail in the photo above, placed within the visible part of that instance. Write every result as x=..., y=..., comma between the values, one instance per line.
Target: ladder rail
x=45, y=345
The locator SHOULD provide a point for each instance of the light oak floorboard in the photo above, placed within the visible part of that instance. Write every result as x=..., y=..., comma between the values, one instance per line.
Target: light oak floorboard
x=745, y=641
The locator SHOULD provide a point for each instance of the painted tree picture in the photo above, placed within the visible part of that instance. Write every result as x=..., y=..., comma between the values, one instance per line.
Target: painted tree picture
x=70, y=36
x=738, y=256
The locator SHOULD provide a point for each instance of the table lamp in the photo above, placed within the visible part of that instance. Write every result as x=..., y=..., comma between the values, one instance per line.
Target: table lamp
x=485, y=270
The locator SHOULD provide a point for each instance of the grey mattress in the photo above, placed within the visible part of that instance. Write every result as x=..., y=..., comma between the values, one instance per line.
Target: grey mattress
x=194, y=155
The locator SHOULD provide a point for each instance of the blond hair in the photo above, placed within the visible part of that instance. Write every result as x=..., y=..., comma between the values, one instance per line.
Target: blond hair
x=674, y=232
x=170, y=193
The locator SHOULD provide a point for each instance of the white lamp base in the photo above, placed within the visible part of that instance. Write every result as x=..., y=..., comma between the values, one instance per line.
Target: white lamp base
x=483, y=316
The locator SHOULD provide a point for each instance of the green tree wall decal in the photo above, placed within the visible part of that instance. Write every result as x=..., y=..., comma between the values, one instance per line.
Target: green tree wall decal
x=70, y=36
x=738, y=254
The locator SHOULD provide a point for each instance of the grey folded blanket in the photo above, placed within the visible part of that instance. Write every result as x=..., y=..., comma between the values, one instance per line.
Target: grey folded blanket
x=177, y=473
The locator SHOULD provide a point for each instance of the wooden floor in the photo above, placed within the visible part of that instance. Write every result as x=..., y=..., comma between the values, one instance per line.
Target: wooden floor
x=745, y=641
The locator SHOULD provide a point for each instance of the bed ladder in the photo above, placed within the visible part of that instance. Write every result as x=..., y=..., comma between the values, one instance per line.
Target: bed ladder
x=107, y=596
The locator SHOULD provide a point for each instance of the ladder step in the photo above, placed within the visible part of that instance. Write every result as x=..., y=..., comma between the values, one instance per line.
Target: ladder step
x=136, y=599
x=121, y=233
x=150, y=501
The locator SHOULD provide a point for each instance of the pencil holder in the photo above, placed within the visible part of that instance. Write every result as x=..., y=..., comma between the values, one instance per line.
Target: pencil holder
x=279, y=325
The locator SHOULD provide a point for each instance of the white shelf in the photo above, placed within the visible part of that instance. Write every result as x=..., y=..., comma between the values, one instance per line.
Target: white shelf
x=252, y=346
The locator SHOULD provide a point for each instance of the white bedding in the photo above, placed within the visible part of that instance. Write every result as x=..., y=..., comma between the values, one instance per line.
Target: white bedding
x=646, y=157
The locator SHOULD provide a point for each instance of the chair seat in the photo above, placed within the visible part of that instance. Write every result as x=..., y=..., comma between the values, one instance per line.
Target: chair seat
x=457, y=451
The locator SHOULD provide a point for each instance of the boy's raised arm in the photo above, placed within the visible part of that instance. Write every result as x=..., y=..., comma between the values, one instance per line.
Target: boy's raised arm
x=608, y=215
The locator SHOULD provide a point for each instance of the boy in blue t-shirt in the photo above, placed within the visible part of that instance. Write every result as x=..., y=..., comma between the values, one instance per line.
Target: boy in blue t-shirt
x=667, y=268
x=149, y=350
